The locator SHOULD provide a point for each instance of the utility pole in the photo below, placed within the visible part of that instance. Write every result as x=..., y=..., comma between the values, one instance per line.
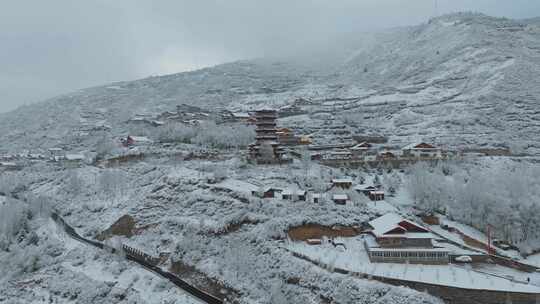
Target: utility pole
x=489, y=238
x=436, y=8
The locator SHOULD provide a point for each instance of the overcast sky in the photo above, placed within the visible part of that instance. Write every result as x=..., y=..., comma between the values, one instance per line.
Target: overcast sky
x=55, y=46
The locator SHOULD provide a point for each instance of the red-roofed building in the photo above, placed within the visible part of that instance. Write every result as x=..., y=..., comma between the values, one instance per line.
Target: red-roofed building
x=421, y=150
x=397, y=240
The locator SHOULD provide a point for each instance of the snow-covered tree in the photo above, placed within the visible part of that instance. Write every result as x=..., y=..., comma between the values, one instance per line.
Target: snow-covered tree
x=266, y=151
x=104, y=147
x=13, y=218
x=391, y=182
x=277, y=296
x=112, y=183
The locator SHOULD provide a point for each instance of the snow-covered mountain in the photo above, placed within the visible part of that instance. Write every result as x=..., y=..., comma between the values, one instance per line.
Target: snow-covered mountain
x=461, y=79
x=458, y=79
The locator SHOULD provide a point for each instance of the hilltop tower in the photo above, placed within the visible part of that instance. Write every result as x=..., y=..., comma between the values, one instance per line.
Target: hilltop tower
x=266, y=149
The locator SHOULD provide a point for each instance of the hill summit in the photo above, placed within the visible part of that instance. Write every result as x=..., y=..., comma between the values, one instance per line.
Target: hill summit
x=460, y=79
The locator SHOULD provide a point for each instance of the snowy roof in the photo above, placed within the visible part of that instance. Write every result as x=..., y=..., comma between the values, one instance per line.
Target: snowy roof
x=421, y=145
x=74, y=156
x=141, y=138
x=340, y=197
x=241, y=115
x=362, y=146
x=341, y=180
x=340, y=152
x=268, y=188
x=362, y=187
x=293, y=192
x=377, y=192
x=7, y=164
x=382, y=226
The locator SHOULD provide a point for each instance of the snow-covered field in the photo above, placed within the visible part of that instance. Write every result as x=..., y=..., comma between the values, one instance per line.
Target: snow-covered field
x=533, y=259
x=355, y=259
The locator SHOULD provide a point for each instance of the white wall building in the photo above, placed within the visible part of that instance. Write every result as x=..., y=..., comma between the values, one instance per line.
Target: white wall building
x=394, y=239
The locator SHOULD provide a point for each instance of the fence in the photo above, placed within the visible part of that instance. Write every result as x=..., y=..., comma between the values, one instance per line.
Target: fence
x=139, y=255
x=143, y=259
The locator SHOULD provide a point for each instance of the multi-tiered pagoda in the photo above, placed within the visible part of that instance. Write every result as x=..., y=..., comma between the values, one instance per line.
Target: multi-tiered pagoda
x=266, y=148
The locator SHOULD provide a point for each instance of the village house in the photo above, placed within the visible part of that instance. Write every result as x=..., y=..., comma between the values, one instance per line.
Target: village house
x=330, y=146
x=266, y=192
x=316, y=156
x=294, y=195
x=7, y=157
x=286, y=137
x=9, y=166
x=244, y=117
x=135, y=141
x=142, y=119
x=316, y=198
x=74, y=160
x=57, y=154
x=421, y=150
x=305, y=140
x=386, y=155
x=35, y=156
x=340, y=199
x=337, y=155
x=393, y=239
x=371, y=157
x=362, y=149
x=343, y=183
x=376, y=195
x=366, y=190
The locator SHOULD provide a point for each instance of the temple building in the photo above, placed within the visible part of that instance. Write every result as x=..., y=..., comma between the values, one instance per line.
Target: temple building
x=266, y=149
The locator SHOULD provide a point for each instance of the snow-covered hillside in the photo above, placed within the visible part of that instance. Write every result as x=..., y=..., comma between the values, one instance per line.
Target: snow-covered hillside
x=457, y=79
x=181, y=189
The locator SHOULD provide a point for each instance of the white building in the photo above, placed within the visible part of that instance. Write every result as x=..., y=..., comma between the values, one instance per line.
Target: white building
x=9, y=166
x=316, y=198
x=340, y=199
x=421, y=150
x=294, y=194
x=394, y=239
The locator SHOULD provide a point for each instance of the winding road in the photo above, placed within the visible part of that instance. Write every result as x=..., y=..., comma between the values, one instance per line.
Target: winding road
x=144, y=260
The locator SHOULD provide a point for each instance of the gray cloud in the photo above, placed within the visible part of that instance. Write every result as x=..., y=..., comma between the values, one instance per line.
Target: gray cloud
x=51, y=47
